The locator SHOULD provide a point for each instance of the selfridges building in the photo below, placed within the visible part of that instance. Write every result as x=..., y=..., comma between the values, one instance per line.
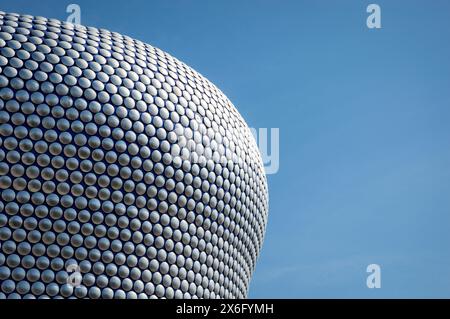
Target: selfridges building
x=123, y=172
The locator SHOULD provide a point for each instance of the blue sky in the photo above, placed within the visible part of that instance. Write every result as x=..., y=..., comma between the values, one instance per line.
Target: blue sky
x=364, y=124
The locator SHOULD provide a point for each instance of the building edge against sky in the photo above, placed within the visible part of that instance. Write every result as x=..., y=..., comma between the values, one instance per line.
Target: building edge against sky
x=124, y=173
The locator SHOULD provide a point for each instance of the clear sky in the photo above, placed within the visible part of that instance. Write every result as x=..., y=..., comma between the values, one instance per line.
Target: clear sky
x=364, y=118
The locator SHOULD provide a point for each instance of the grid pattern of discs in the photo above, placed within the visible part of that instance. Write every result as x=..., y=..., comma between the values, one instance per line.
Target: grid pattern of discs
x=121, y=166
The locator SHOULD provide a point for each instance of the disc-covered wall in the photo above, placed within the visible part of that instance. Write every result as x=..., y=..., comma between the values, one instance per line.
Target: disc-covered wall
x=123, y=172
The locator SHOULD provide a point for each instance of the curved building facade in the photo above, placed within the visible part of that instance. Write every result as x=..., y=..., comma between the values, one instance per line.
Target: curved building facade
x=123, y=172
